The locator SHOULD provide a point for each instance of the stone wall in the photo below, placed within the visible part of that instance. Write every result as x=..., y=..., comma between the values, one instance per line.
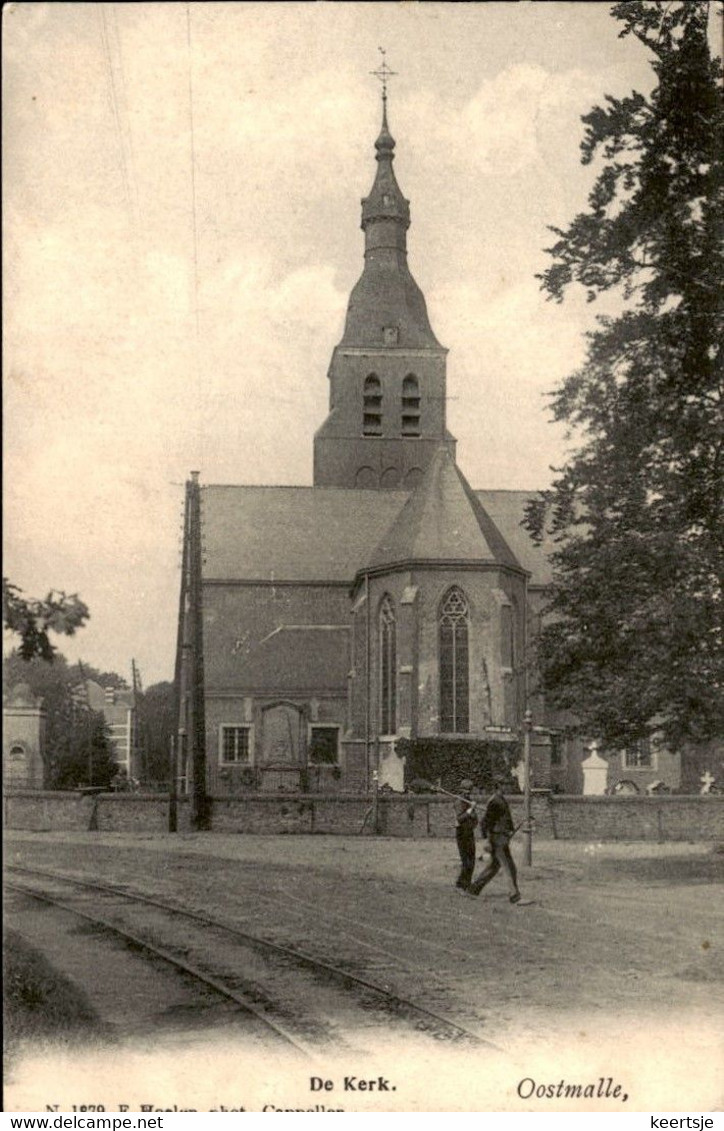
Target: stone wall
x=667, y=818
x=46, y=811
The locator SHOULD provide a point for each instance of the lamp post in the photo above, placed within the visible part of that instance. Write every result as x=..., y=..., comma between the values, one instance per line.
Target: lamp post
x=527, y=823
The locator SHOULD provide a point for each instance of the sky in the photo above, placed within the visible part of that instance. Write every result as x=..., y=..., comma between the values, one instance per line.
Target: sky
x=182, y=204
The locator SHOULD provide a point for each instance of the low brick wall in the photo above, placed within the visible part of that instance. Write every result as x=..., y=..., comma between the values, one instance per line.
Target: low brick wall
x=51, y=810
x=622, y=818
x=669, y=817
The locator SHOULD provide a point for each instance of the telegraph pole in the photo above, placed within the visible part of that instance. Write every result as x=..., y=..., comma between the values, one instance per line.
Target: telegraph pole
x=190, y=659
x=527, y=823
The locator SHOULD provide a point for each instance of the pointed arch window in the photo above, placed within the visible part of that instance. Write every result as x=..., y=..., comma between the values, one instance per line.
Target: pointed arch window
x=454, y=663
x=410, y=406
x=372, y=406
x=388, y=667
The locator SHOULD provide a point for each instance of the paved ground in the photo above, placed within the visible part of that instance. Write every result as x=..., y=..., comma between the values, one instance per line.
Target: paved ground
x=614, y=969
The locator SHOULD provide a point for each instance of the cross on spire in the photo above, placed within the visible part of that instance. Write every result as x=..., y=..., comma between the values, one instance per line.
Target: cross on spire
x=383, y=73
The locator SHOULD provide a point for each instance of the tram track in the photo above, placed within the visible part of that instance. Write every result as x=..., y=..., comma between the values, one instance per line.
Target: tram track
x=363, y=997
x=178, y=963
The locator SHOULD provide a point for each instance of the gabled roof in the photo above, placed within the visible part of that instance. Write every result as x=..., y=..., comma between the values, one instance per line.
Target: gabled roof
x=443, y=519
x=317, y=534
x=292, y=533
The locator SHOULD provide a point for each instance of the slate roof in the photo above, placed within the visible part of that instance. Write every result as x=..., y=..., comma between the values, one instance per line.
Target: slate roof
x=328, y=533
x=293, y=533
x=443, y=518
x=297, y=658
x=506, y=509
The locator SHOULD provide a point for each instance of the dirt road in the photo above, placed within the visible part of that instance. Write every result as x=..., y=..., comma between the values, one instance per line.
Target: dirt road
x=615, y=942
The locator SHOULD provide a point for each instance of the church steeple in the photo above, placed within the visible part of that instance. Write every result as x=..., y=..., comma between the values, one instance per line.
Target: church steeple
x=387, y=376
x=385, y=212
x=386, y=306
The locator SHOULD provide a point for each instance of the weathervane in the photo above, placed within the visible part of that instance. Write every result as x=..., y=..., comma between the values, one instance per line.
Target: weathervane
x=383, y=73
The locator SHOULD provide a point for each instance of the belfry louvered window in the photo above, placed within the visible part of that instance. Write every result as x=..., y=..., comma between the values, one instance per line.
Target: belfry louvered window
x=410, y=406
x=372, y=406
x=454, y=665
x=388, y=667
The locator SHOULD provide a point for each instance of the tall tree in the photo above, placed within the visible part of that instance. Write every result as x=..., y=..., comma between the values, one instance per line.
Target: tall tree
x=635, y=640
x=157, y=725
x=32, y=619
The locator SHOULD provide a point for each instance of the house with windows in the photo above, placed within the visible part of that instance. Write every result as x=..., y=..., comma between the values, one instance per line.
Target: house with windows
x=389, y=600
x=120, y=713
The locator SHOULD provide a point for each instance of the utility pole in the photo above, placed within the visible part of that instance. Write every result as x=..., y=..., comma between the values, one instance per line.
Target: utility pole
x=527, y=823
x=87, y=722
x=137, y=762
x=189, y=676
x=173, y=787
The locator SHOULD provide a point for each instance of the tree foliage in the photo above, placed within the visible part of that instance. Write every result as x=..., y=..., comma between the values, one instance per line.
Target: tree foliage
x=635, y=641
x=157, y=725
x=32, y=619
x=78, y=750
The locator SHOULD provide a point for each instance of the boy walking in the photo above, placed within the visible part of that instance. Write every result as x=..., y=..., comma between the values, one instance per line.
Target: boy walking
x=466, y=818
x=496, y=826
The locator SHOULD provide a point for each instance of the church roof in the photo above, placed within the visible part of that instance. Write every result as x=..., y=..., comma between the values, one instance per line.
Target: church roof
x=292, y=533
x=507, y=510
x=318, y=534
x=387, y=295
x=443, y=519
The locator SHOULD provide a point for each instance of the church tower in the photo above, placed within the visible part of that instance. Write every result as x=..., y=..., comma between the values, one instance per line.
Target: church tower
x=387, y=375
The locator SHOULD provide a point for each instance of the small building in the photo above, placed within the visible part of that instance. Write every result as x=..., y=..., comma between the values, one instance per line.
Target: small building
x=119, y=709
x=24, y=725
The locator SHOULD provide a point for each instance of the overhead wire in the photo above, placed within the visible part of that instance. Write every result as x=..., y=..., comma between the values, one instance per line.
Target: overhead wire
x=119, y=110
x=195, y=240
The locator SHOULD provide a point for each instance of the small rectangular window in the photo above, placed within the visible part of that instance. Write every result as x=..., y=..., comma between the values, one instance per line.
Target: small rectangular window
x=235, y=745
x=638, y=755
x=323, y=745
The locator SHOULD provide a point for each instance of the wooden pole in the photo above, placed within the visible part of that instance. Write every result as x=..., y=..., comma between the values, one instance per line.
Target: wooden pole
x=190, y=713
x=197, y=733
x=173, y=787
x=527, y=823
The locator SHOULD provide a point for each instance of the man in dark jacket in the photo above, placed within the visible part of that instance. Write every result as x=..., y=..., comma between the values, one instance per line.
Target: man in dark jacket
x=466, y=818
x=496, y=826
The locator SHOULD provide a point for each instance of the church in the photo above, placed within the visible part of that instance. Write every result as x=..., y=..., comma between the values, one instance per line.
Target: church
x=390, y=607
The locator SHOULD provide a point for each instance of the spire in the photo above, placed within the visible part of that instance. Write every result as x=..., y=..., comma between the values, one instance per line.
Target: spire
x=385, y=201
x=385, y=141
x=387, y=300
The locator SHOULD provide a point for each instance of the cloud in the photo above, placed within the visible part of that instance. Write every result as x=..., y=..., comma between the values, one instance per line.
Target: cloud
x=521, y=116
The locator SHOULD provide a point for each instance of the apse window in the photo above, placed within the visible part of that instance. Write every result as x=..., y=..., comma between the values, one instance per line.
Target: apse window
x=323, y=745
x=454, y=664
x=235, y=745
x=388, y=667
